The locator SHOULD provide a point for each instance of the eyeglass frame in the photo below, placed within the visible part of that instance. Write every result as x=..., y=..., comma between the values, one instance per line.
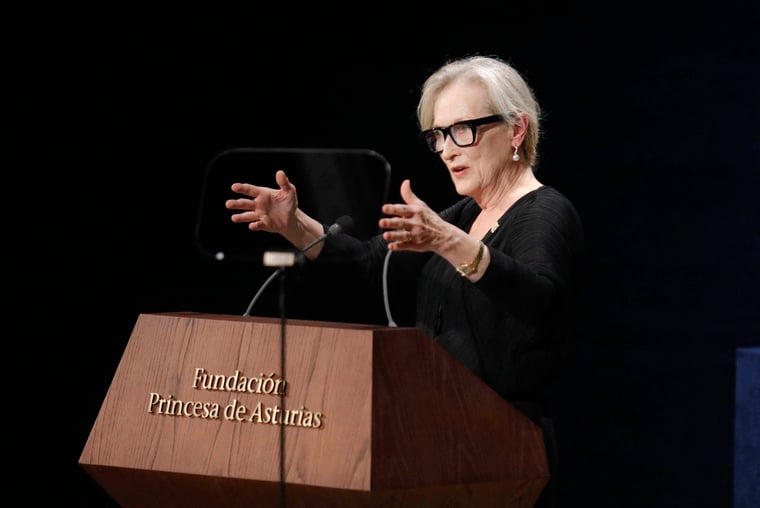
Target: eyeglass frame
x=446, y=131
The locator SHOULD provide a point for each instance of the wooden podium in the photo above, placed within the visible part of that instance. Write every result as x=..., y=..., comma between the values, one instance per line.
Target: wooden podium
x=219, y=410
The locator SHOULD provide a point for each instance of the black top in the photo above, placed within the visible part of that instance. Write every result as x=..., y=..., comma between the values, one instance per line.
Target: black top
x=508, y=327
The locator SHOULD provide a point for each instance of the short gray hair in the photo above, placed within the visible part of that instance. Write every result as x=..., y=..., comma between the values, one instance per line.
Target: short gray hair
x=508, y=94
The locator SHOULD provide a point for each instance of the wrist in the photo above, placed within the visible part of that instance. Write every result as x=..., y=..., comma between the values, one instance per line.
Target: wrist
x=471, y=268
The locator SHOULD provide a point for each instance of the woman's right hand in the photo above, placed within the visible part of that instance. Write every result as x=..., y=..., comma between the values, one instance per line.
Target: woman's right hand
x=276, y=211
x=264, y=208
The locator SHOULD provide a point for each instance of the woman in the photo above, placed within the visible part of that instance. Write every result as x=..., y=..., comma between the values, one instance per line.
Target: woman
x=496, y=273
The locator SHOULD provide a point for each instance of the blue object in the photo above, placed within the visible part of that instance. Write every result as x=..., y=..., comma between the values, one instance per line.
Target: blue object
x=747, y=429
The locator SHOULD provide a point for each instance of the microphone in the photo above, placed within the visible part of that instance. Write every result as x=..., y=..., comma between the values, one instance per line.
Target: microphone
x=283, y=260
x=341, y=225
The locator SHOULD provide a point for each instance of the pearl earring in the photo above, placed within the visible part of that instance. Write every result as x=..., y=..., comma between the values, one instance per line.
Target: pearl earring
x=515, y=156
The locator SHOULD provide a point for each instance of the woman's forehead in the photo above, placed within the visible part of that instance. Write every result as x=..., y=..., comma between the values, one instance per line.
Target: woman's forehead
x=460, y=100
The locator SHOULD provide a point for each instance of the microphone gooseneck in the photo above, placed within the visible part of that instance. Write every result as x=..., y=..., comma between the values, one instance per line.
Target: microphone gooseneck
x=341, y=225
x=386, y=301
x=261, y=290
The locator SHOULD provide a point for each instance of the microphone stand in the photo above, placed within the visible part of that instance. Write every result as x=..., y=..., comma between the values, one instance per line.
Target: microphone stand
x=282, y=260
x=282, y=392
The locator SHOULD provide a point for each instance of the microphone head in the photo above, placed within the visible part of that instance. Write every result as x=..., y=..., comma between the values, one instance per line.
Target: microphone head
x=343, y=224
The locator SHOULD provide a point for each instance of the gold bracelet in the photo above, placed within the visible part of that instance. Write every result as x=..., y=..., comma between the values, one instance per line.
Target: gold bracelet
x=472, y=267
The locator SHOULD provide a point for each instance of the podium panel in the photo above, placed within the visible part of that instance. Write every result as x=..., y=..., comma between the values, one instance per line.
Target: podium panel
x=215, y=409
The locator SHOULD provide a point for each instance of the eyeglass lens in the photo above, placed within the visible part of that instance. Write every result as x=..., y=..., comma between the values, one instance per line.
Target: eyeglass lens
x=462, y=134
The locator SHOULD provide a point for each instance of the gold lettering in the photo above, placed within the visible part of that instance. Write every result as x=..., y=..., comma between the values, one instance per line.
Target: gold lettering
x=256, y=414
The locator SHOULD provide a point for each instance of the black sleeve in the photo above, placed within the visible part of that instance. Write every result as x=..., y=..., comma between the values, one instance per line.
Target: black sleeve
x=535, y=265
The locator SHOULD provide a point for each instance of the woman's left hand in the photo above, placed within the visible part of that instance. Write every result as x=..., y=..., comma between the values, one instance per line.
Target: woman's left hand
x=413, y=225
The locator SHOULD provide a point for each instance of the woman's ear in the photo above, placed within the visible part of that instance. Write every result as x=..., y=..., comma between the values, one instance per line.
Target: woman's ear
x=520, y=128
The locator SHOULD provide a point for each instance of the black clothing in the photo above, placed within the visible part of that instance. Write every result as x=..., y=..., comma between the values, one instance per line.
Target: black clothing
x=509, y=326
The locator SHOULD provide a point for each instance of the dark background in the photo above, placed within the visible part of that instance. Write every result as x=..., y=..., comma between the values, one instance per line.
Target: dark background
x=651, y=127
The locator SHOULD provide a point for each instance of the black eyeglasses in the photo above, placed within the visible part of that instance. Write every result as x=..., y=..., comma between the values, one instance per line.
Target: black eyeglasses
x=462, y=133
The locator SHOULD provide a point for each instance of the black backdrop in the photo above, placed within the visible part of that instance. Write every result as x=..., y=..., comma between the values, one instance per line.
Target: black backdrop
x=651, y=129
